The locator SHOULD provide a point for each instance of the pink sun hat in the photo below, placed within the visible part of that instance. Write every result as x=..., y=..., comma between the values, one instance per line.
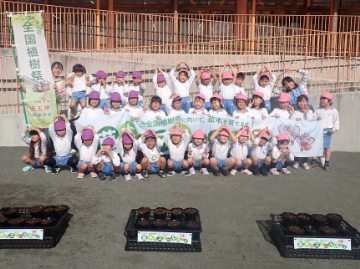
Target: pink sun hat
x=260, y=94
x=133, y=94
x=126, y=139
x=108, y=141
x=266, y=75
x=245, y=132
x=284, y=97
x=94, y=95
x=227, y=75
x=149, y=135
x=116, y=97
x=120, y=74
x=282, y=137
x=59, y=125
x=160, y=78
x=199, y=134
x=327, y=95
x=183, y=70
x=218, y=96
x=176, y=132
x=177, y=98
x=200, y=95
x=205, y=75
x=241, y=97
x=265, y=135
x=87, y=134
x=136, y=74
x=224, y=132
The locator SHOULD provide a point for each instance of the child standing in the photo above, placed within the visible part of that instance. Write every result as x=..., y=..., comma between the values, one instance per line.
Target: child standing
x=93, y=109
x=240, y=78
x=161, y=85
x=107, y=161
x=217, y=106
x=283, y=110
x=119, y=85
x=260, y=150
x=183, y=84
x=198, y=153
x=240, y=149
x=265, y=85
x=227, y=88
x=220, y=145
x=138, y=86
x=177, y=144
x=242, y=111
x=281, y=156
x=78, y=81
x=154, y=111
x=87, y=141
x=331, y=124
x=127, y=147
x=38, y=150
x=101, y=87
x=134, y=108
x=257, y=106
x=199, y=105
x=173, y=106
x=205, y=85
x=61, y=135
x=152, y=162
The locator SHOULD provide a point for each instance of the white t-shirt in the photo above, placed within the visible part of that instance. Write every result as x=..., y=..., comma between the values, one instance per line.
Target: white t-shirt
x=153, y=154
x=107, y=160
x=330, y=118
x=44, y=143
x=62, y=146
x=257, y=114
x=104, y=92
x=86, y=154
x=302, y=115
x=267, y=89
x=140, y=89
x=130, y=156
x=208, y=90
x=88, y=113
x=165, y=92
x=276, y=154
x=79, y=82
x=220, y=151
x=182, y=88
x=239, y=90
x=240, y=151
x=198, y=154
x=197, y=112
x=152, y=114
x=170, y=111
x=285, y=114
x=134, y=112
x=221, y=112
x=261, y=152
x=177, y=153
x=122, y=90
x=241, y=115
x=227, y=92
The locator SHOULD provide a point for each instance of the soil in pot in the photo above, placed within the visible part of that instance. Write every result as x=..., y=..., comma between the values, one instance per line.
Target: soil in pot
x=48, y=212
x=160, y=213
x=334, y=220
x=192, y=225
x=48, y=222
x=348, y=231
x=3, y=221
x=34, y=222
x=159, y=224
x=191, y=214
x=177, y=213
x=36, y=211
x=17, y=222
x=174, y=225
x=289, y=219
x=143, y=212
x=319, y=220
x=295, y=230
x=304, y=219
x=312, y=230
x=60, y=211
x=10, y=213
x=326, y=230
x=142, y=223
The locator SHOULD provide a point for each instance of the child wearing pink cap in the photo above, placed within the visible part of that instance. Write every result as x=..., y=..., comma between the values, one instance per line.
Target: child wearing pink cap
x=283, y=111
x=119, y=85
x=38, y=149
x=154, y=109
x=240, y=148
x=259, y=152
x=239, y=82
x=134, y=108
x=152, y=162
x=198, y=153
x=107, y=161
x=217, y=106
x=127, y=146
x=92, y=110
x=183, y=84
x=241, y=110
x=227, y=88
x=87, y=141
x=331, y=124
x=205, y=85
x=281, y=156
x=61, y=134
x=220, y=146
x=177, y=141
x=161, y=85
x=101, y=87
x=257, y=107
x=138, y=86
x=78, y=80
x=265, y=84
x=173, y=106
x=199, y=105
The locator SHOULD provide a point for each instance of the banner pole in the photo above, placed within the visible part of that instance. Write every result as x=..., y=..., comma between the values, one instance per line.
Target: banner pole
x=17, y=70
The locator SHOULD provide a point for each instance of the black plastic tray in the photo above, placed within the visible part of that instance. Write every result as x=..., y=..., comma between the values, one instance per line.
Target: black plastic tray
x=195, y=246
x=131, y=232
x=285, y=244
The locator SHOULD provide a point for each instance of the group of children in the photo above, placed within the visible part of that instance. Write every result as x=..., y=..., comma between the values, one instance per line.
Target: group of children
x=143, y=155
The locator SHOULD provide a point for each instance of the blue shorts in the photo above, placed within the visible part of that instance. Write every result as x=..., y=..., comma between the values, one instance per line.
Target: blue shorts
x=163, y=108
x=229, y=105
x=177, y=164
x=221, y=163
x=268, y=105
x=197, y=163
x=279, y=165
x=208, y=106
x=78, y=96
x=242, y=163
x=62, y=160
x=260, y=164
x=88, y=165
x=327, y=138
x=132, y=167
x=104, y=102
x=107, y=169
x=37, y=164
x=185, y=104
x=153, y=169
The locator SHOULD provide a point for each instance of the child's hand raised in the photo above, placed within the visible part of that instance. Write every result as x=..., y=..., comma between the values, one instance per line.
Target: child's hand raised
x=144, y=108
x=106, y=110
x=251, y=103
x=190, y=150
x=292, y=109
x=207, y=149
x=113, y=79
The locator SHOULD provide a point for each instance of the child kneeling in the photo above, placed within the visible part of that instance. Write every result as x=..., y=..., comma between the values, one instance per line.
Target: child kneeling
x=281, y=156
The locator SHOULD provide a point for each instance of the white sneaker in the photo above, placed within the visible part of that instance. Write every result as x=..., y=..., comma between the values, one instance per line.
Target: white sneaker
x=204, y=171
x=274, y=172
x=127, y=177
x=322, y=159
x=285, y=171
x=73, y=151
x=233, y=172
x=246, y=171
x=306, y=166
x=296, y=165
x=192, y=171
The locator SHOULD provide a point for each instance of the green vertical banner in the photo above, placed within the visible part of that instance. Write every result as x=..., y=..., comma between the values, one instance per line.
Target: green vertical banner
x=34, y=68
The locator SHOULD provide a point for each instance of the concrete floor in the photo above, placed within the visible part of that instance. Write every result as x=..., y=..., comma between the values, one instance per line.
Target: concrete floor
x=231, y=210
